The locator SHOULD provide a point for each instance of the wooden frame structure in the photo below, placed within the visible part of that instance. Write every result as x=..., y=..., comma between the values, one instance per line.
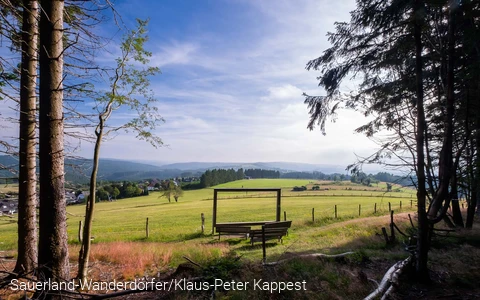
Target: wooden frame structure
x=215, y=200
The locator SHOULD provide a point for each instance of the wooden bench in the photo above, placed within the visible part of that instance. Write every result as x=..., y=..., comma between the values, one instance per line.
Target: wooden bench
x=270, y=231
x=232, y=230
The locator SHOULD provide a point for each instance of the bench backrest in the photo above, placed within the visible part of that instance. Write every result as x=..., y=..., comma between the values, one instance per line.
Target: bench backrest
x=232, y=229
x=281, y=224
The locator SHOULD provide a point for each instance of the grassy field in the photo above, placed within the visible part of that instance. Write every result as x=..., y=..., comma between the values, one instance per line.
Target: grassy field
x=120, y=250
x=8, y=188
x=124, y=220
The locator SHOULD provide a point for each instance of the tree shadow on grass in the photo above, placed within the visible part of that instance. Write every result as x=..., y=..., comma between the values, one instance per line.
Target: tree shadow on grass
x=257, y=246
x=229, y=241
x=184, y=237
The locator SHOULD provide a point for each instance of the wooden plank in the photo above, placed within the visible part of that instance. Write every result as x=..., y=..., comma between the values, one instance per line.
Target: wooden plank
x=248, y=190
x=256, y=223
x=267, y=233
x=233, y=229
x=286, y=224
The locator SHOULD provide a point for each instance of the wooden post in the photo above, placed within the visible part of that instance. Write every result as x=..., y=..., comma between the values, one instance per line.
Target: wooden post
x=400, y=205
x=375, y=208
x=146, y=229
x=385, y=235
x=279, y=208
x=80, y=231
x=284, y=215
x=313, y=215
x=335, y=211
x=264, y=247
x=411, y=203
x=392, y=228
x=389, y=206
x=202, y=216
x=411, y=222
x=214, y=216
x=359, y=210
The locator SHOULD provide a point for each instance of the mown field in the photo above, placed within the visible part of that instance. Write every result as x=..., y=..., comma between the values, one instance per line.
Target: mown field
x=121, y=251
x=124, y=220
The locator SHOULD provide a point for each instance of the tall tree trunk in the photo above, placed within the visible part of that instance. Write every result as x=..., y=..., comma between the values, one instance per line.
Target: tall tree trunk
x=84, y=254
x=423, y=226
x=473, y=92
x=475, y=193
x=456, y=212
x=445, y=165
x=53, y=248
x=27, y=183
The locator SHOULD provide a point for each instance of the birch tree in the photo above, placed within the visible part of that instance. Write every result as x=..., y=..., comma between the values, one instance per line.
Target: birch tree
x=129, y=88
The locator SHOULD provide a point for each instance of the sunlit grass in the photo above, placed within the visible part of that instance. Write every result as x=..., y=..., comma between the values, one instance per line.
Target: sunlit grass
x=125, y=219
x=6, y=188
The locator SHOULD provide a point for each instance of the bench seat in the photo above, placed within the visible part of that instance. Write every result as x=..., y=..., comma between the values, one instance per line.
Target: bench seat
x=273, y=230
x=233, y=230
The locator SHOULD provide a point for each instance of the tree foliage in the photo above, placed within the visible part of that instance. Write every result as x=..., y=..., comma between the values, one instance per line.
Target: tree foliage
x=219, y=176
x=129, y=88
x=261, y=173
x=417, y=69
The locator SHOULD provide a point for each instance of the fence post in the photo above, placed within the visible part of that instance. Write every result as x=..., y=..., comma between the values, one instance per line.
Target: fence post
x=411, y=222
x=264, y=247
x=284, y=215
x=400, y=205
x=146, y=229
x=202, y=216
x=411, y=203
x=335, y=211
x=359, y=209
x=389, y=206
x=385, y=235
x=392, y=229
x=313, y=215
x=80, y=231
x=375, y=208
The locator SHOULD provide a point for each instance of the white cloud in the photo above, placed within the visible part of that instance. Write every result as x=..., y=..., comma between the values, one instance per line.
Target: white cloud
x=174, y=52
x=236, y=94
x=286, y=92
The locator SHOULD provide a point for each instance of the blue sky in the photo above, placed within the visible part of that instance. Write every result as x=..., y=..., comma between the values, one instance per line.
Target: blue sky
x=233, y=74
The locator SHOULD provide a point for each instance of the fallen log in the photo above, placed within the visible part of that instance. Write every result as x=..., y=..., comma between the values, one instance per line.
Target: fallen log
x=389, y=280
x=308, y=255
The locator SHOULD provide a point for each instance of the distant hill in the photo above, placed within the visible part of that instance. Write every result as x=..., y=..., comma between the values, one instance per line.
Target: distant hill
x=8, y=167
x=78, y=170
x=278, y=166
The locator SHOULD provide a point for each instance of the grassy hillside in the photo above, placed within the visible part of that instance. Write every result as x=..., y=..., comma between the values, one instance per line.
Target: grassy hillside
x=124, y=220
x=120, y=250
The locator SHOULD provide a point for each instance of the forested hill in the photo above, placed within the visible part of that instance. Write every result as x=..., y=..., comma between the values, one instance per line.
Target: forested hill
x=78, y=170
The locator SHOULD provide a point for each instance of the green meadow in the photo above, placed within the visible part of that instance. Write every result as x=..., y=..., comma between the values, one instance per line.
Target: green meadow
x=125, y=219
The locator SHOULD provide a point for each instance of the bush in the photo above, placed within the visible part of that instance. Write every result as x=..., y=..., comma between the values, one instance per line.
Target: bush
x=299, y=188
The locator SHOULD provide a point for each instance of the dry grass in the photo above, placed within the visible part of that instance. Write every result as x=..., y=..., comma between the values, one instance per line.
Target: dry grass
x=11, y=188
x=137, y=259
